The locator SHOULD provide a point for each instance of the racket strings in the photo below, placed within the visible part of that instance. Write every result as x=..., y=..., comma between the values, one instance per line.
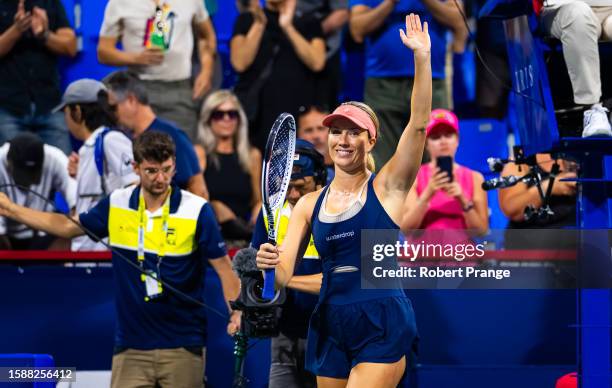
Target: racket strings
x=279, y=165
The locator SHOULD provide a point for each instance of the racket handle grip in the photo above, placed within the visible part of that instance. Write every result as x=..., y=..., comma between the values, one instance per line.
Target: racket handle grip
x=268, y=289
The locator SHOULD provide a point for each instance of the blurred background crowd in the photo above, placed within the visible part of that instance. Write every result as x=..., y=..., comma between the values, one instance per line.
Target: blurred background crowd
x=80, y=80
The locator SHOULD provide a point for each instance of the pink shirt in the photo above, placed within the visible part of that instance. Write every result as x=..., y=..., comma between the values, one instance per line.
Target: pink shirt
x=444, y=211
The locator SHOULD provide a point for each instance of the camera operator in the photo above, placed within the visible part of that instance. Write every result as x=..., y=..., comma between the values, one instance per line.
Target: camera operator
x=289, y=348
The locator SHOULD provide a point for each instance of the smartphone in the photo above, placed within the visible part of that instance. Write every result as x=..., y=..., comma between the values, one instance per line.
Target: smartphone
x=445, y=163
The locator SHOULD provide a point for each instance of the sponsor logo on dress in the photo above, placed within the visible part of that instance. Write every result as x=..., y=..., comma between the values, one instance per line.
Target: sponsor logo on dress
x=340, y=235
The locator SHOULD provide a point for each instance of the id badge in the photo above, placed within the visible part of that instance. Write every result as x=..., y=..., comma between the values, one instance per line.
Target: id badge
x=152, y=285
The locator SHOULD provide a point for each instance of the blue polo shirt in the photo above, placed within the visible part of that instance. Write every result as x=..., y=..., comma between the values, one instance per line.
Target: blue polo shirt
x=386, y=55
x=187, y=164
x=169, y=320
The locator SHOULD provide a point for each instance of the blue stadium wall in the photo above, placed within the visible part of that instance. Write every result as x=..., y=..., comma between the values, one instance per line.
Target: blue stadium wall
x=476, y=338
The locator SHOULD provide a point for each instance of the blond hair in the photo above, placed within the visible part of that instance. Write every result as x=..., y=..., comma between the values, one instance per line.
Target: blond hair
x=207, y=138
x=370, y=163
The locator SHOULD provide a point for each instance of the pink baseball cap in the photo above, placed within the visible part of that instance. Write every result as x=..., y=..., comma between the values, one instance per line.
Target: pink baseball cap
x=357, y=115
x=442, y=118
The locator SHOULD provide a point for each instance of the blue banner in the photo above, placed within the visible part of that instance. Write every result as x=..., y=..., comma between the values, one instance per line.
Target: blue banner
x=537, y=127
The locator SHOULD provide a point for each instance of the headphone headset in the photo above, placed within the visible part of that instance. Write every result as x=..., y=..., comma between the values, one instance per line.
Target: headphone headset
x=320, y=170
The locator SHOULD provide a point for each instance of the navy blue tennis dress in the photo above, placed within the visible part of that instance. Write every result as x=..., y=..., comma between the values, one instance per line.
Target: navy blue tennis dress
x=351, y=325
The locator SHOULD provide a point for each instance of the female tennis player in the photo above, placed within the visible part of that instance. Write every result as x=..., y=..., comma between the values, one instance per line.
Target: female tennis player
x=358, y=337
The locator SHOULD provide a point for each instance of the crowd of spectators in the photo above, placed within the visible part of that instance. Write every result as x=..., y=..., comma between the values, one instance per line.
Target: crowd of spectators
x=286, y=55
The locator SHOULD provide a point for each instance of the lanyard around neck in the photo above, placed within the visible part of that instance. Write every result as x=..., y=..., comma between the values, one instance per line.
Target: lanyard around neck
x=159, y=235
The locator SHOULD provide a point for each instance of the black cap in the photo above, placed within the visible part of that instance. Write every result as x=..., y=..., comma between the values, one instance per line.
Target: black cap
x=26, y=155
x=307, y=161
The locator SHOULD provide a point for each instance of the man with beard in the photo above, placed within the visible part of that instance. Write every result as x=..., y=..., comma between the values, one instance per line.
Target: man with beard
x=171, y=235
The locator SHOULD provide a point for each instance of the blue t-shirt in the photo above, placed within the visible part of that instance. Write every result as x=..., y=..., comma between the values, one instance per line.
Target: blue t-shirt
x=386, y=55
x=187, y=164
x=169, y=320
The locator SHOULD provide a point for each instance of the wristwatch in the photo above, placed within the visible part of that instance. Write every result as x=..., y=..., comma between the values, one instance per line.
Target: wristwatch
x=468, y=206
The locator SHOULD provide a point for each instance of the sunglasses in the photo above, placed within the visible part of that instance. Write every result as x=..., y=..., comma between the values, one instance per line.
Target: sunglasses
x=220, y=114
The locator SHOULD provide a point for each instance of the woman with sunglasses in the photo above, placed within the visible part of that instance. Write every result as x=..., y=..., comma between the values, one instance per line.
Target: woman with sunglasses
x=359, y=336
x=232, y=168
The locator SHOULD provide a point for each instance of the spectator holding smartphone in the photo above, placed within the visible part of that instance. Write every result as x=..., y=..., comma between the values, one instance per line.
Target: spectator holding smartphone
x=440, y=201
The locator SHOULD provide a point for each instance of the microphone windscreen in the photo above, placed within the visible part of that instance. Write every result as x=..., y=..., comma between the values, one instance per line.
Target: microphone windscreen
x=245, y=261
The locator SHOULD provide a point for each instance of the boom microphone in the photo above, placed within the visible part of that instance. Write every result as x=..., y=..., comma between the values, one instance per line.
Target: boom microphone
x=500, y=183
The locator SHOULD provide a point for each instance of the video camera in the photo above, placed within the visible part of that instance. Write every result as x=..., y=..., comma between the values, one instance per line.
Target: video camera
x=259, y=316
x=534, y=177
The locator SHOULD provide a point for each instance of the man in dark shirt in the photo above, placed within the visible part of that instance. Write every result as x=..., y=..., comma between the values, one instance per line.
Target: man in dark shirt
x=134, y=113
x=33, y=34
x=276, y=55
x=333, y=16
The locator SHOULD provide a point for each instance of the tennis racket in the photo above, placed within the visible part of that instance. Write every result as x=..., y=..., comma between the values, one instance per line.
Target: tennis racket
x=276, y=173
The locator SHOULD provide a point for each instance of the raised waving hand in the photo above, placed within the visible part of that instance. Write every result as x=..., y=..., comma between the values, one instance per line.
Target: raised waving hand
x=416, y=37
